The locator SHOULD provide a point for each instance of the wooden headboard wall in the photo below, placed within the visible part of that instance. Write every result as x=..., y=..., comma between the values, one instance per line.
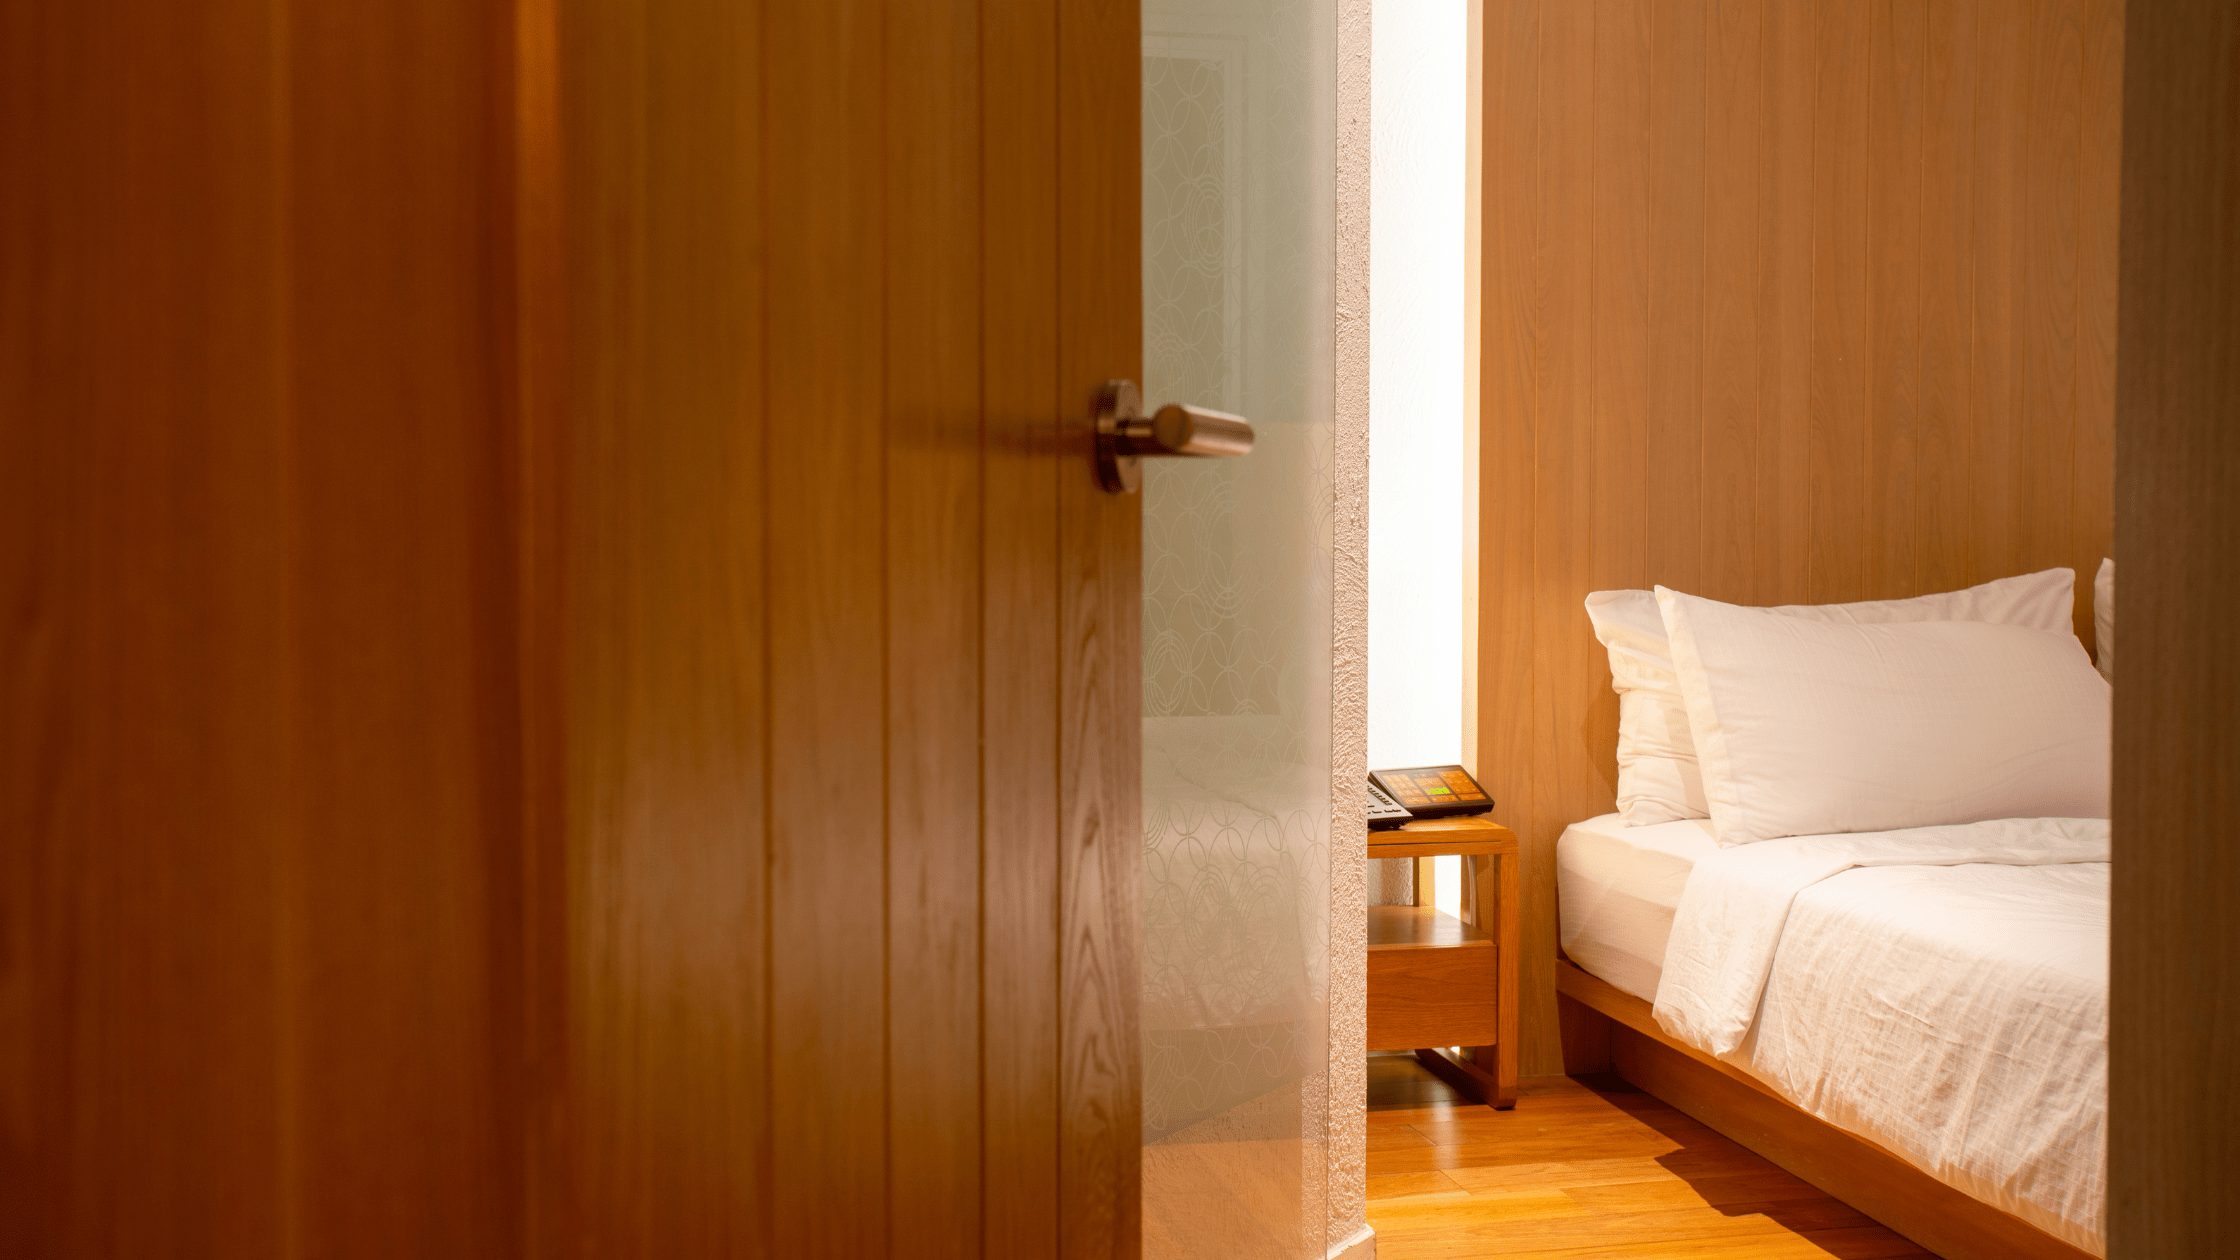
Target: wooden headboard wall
x=1778, y=302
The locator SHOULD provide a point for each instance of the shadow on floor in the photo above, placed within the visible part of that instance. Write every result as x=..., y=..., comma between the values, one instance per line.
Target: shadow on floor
x=1397, y=1082
x=1719, y=1173
x=1706, y=1161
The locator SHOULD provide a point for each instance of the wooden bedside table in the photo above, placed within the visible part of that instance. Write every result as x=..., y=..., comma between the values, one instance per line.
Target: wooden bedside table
x=1436, y=981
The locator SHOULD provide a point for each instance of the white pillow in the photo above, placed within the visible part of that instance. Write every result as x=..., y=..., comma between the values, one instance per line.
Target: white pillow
x=1806, y=727
x=2104, y=619
x=1658, y=780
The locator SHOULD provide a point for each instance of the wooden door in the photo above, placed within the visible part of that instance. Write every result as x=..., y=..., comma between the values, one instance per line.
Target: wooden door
x=2174, y=954
x=569, y=687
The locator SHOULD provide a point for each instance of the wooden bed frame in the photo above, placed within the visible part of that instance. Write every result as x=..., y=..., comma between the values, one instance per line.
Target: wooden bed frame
x=1608, y=1029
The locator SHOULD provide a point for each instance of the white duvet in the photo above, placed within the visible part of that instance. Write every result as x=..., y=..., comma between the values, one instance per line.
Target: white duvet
x=1940, y=990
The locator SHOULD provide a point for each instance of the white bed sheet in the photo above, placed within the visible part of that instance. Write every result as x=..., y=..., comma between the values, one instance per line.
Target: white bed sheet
x=1618, y=887
x=1951, y=1007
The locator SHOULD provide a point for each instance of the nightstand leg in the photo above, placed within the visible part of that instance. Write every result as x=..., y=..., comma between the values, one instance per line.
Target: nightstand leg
x=1497, y=914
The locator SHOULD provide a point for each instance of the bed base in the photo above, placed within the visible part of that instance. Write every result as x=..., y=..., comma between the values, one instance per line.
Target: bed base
x=1607, y=1029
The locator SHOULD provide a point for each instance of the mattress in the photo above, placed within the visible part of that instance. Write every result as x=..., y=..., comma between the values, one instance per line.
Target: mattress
x=1617, y=888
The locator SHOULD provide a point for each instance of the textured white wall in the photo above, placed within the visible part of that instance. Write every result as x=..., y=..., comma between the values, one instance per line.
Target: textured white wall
x=1348, y=1232
x=1418, y=133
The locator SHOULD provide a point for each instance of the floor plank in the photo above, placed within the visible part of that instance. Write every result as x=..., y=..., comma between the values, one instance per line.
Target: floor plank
x=1585, y=1171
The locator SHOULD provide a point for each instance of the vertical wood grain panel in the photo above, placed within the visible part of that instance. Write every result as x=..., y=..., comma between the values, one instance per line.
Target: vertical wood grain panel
x=934, y=619
x=1790, y=289
x=1597, y=460
x=1612, y=353
x=823, y=198
x=1568, y=413
x=667, y=896
x=397, y=372
x=1944, y=482
x=606, y=170
x=539, y=1062
x=1498, y=747
x=2004, y=43
x=1019, y=656
x=1513, y=319
x=1785, y=187
x=2048, y=385
x=2099, y=184
x=697, y=1013
x=261, y=621
x=111, y=1052
x=1896, y=37
x=1502, y=481
x=1672, y=407
x=1734, y=278
x=2174, y=978
x=1100, y=322
x=1841, y=136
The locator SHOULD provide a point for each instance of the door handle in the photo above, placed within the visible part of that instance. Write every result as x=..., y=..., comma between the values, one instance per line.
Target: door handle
x=1125, y=435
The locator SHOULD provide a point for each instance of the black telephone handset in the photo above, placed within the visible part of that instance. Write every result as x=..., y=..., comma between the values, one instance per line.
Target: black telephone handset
x=1385, y=813
x=1401, y=796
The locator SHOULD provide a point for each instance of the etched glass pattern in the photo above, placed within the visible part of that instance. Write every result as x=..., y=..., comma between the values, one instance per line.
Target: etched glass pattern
x=1237, y=255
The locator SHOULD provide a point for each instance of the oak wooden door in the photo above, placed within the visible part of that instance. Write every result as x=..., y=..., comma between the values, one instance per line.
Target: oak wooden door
x=569, y=687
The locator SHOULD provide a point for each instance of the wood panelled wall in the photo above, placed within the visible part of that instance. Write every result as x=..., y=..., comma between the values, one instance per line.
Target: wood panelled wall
x=567, y=688
x=1779, y=302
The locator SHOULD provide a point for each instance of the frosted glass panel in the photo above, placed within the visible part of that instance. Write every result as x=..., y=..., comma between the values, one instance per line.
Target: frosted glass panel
x=1237, y=601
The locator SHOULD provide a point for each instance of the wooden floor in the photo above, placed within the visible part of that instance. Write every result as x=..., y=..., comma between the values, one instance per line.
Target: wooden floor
x=1585, y=1171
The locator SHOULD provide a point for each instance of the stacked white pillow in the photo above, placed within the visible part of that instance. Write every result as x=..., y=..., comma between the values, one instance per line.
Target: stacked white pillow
x=1805, y=726
x=1659, y=778
x=2104, y=619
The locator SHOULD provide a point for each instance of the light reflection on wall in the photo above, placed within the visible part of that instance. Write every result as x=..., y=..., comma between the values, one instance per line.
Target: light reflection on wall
x=1418, y=81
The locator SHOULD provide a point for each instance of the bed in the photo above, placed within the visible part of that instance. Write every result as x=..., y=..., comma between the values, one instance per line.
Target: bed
x=1953, y=1016
x=1912, y=1017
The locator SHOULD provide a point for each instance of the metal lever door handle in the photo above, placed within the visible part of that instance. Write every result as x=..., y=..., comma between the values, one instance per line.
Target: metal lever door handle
x=1125, y=435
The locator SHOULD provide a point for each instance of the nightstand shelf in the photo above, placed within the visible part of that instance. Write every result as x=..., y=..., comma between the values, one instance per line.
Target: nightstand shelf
x=1436, y=981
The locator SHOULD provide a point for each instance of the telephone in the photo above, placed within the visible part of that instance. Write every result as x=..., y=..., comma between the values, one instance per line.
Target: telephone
x=1385, y=813
x=1401, y=796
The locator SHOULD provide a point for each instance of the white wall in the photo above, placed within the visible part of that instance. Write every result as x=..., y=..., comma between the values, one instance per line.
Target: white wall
x=1419, y=83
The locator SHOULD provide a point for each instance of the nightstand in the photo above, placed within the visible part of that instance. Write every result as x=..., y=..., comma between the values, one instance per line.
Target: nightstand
x=1436, y=981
